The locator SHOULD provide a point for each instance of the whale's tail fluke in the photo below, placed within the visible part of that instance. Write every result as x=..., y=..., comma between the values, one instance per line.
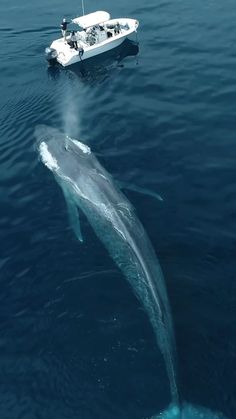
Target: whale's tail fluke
x=188, y=411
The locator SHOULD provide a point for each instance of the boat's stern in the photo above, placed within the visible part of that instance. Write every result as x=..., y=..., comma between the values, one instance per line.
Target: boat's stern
x=61, y=52
x=51, y=55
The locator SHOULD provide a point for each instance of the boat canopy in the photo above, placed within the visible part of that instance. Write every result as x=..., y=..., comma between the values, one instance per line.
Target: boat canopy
x=91, y=19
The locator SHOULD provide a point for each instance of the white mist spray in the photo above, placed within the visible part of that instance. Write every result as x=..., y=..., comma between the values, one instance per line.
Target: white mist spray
x=70, y=110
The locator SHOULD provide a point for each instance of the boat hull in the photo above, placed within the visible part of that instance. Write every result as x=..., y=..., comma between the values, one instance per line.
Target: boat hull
x=92, y=53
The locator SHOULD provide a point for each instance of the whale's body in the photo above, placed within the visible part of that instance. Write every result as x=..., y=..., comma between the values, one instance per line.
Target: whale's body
x=87, y=185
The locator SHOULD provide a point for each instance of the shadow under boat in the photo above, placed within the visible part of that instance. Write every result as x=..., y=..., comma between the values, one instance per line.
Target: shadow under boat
x=99, y=66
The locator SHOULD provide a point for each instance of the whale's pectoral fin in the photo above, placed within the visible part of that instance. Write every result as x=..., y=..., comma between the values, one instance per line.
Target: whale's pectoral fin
x=74, y=219
x=73, y=214
x=135, y=188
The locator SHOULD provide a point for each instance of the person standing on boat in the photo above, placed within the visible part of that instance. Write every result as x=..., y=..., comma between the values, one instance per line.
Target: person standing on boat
x=74, y=40
x=64, y=24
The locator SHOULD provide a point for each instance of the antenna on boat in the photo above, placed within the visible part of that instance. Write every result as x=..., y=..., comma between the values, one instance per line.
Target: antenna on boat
x=82, y=1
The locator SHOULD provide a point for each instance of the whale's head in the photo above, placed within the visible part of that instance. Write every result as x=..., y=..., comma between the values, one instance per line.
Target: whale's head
x=64, y=156
x=73, y=163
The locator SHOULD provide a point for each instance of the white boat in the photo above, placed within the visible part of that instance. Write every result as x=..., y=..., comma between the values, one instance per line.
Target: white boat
x=98, y=33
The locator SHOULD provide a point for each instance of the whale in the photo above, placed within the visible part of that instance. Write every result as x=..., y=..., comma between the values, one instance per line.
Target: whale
x=89, y=188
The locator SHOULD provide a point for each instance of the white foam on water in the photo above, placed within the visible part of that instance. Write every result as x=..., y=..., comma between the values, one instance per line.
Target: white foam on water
x=47, y=158
x=85, y=149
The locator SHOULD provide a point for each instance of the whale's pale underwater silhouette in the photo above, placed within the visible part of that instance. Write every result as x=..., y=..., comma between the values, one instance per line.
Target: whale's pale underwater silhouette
x=89, y=187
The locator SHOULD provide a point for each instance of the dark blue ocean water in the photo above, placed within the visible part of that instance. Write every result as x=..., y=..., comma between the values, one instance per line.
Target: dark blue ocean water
x=74, y=341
